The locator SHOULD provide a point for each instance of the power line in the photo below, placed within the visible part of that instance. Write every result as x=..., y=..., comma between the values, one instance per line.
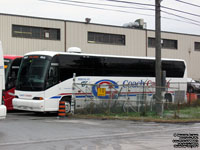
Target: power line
x=95, y=7
x=164, y=11
x=189, y=22
x=73, y=1
x=181, y=11
x=131, y=3
x=151, y=4
x=194, y=22
x=180, y=16
x=154, y=5
x=142, y=8
x=187, y=3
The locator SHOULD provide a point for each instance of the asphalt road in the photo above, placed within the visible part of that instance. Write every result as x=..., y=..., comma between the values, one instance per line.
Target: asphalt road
x=29, y=131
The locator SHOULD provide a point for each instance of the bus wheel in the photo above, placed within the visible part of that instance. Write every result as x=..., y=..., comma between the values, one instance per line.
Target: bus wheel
x=67, y=106
x=168, y=98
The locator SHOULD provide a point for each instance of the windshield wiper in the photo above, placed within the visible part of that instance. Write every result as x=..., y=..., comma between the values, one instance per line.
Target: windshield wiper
x=30, y=82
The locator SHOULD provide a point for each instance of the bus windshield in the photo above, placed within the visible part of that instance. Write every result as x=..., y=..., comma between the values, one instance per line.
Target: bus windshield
x=32, y=73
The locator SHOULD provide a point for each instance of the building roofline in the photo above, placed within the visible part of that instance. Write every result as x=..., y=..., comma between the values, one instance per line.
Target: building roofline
x=53, y=19
x=34, y=17
x=176, y=33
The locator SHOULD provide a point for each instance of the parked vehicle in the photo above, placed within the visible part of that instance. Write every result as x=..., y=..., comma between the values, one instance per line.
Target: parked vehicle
x=2, y=83
x=11, y=65
x=193, y=86
x=45, y=78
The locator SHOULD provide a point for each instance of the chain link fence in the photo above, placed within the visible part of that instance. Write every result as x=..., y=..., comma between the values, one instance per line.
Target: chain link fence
x=109, y=97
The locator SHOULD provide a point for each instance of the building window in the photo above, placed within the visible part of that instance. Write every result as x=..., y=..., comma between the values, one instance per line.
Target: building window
x=35, y=32
x=151, y=42
x=170, y=44
x=105, y=38
x=166, y=43
x=197, y=46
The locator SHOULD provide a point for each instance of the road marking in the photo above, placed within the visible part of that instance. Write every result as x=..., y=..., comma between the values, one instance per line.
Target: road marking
x=92, y=137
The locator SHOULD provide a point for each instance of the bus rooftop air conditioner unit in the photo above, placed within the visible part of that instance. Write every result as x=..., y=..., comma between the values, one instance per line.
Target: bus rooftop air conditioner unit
x=74, y=50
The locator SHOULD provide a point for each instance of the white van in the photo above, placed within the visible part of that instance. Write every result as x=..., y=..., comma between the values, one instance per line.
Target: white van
x=2, y=84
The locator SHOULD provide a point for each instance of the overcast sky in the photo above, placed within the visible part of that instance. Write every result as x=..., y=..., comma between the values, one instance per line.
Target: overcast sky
x=188, y=22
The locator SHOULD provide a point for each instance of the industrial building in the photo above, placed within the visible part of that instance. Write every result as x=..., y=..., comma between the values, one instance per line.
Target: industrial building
x=22, y=34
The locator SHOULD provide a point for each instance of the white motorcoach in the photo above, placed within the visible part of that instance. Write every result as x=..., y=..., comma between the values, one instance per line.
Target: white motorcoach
x=2, y=83
x=46, y=77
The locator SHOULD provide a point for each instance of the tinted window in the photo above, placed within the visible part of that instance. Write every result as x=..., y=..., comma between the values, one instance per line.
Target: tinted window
x=35, y=32
x=170, y=44
x=167, y=43
x=12, y=73
x=197, y=46
x=81, y=65
x=106, y=38
x=151, y=42
x=174, y=68
x=7, y=63
x=32, y=73
x=109, y=66
x=128, y=67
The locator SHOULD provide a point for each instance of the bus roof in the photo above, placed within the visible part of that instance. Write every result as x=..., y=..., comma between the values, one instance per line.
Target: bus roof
x=11, y=57
x=53, y=53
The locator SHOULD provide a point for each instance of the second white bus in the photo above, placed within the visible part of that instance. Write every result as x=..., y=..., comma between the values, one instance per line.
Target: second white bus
x=2, y=84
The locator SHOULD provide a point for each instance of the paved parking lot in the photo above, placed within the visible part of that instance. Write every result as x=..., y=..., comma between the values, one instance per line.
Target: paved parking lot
x=29, y=131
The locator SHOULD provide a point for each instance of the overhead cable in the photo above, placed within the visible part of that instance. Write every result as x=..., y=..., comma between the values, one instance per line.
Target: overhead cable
x=142, y=8
x=131, y=2
x=191, y=21
x=197, y=15
x=166, y=12
x=96, y=7
x=187, y=3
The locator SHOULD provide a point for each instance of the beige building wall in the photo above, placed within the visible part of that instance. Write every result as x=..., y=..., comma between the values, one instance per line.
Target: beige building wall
x=20, y=46
x=184, y=51
x=76, y=35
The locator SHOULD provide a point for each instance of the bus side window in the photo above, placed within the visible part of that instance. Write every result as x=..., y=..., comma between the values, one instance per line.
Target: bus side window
x=12, y=79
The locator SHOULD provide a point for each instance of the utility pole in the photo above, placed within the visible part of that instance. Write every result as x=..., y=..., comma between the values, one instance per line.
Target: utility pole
x=158, y=58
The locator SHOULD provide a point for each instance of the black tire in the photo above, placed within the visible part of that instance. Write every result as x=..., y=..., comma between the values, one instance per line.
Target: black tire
x=168, y=97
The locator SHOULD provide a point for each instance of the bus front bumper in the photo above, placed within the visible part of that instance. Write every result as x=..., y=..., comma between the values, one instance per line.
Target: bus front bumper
x=29, y=105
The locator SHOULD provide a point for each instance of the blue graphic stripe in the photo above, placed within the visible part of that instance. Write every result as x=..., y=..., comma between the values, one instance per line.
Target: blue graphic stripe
x=55, y=97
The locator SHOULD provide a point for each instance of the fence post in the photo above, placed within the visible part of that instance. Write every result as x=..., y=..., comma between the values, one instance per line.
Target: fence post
x=73, y=94
x=163, y=102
